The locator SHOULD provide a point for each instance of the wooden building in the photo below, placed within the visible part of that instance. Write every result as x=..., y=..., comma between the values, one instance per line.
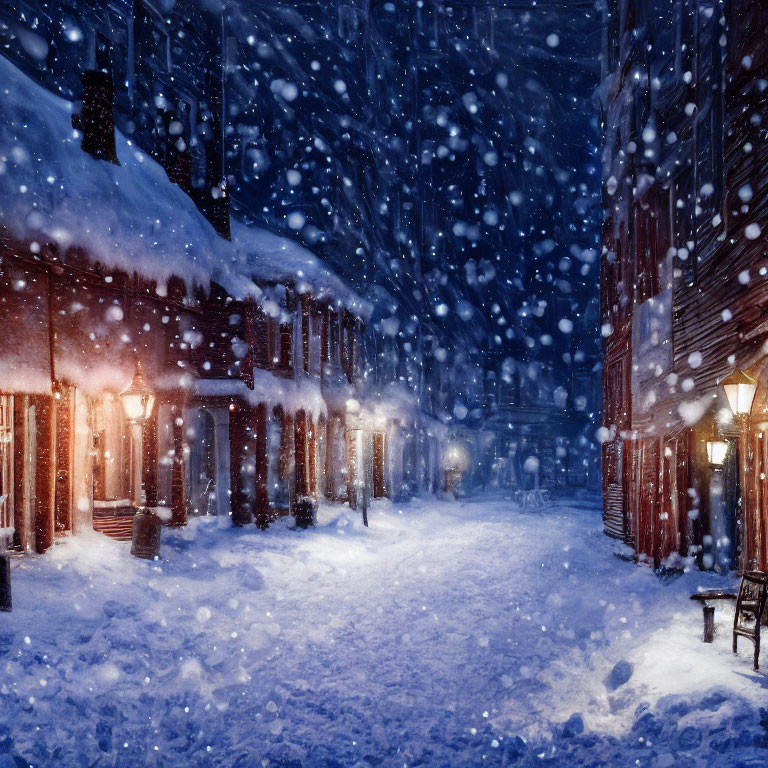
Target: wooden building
x=105, y=265
x=684, y=279
x=117, y=248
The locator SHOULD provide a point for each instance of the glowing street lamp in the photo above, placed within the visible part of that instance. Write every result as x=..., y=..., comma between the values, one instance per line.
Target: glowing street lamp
x=138, y=399
x=716, y=452
x=455, y=463
x=740, y=390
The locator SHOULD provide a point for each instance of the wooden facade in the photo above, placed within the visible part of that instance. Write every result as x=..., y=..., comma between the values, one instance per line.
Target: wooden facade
x=229, y=432
x=683, y=279
x=251, y=415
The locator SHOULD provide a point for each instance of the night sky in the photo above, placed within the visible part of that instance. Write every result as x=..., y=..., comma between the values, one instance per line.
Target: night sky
x=446, y=153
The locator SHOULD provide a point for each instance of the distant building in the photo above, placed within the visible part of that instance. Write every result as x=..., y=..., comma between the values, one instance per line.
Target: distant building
x=683, y=279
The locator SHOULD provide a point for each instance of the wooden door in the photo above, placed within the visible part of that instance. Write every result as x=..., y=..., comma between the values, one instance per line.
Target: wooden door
x=613, y=489
x=648, y=539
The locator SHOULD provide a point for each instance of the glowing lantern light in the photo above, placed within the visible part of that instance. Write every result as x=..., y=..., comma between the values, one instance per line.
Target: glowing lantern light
x=716, y=452
x=740, y=390
x=139, y=399
x=456, y=458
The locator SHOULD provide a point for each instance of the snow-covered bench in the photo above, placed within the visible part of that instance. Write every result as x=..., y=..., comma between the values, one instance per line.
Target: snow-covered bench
x=750, y=609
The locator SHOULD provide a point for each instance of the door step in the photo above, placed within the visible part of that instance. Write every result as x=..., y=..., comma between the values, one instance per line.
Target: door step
x=119, y=527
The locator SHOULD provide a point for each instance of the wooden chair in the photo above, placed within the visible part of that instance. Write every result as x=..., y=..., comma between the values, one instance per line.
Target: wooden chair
x=750, y=609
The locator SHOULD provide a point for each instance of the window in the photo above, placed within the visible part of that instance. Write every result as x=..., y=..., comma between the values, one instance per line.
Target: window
x=201, y=466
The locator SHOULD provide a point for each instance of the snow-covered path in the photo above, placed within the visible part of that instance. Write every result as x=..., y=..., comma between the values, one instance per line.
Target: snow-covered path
x=444, y=635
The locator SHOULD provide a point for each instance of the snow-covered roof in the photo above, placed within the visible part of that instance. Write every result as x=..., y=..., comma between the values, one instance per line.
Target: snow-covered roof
x=290, y=394
x=272, y=258
x=129, y=217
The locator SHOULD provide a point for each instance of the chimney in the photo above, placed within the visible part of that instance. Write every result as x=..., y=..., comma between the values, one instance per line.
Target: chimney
x=97, y=120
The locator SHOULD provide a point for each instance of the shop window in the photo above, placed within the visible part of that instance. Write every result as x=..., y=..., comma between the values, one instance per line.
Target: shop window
x=201, y=466
x=112, y=454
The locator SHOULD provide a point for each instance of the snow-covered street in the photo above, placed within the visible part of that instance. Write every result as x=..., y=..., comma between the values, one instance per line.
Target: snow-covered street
x=460, y=634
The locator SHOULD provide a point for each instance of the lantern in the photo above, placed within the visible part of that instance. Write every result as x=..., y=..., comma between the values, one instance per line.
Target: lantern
x=139, y=399
x=716, y=452
x=740, y=390
x=456, y=458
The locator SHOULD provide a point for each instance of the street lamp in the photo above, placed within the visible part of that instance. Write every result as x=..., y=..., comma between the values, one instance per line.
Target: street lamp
x=740, y=390
x=716, y=452
x=455, y=463
x=138, y=401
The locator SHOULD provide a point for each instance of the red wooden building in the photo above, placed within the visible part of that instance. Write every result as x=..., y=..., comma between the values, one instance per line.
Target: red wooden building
x=684, y=280
x=250, y=346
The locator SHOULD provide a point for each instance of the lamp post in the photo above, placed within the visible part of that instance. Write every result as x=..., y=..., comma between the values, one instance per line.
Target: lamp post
x=456, y=462
x=740, y=389
x=138, y=401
